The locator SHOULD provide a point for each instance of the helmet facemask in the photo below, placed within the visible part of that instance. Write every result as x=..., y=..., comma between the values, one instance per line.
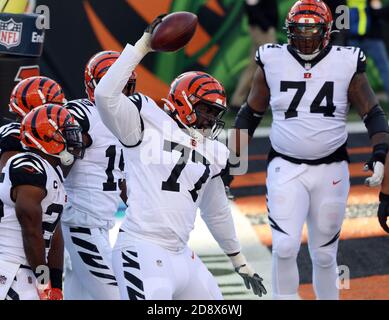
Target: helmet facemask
x=70, y=136
x=205, y=118
x=307, y=38
x=197, y=101
x=308, y=25
x=74, y=144
x=209, y=119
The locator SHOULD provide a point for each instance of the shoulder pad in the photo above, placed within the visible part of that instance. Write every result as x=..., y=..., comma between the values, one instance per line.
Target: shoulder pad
x=264, y=51
x=353, y=54
x=27, y=169
x=9, y=138
x=81, y=111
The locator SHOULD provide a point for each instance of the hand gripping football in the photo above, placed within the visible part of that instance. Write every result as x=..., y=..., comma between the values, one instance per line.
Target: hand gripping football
x=174, y=32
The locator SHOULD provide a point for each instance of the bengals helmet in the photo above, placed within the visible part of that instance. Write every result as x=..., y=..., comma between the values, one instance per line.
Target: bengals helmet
x=308, y=25
x=97, y=67
x=197, y=100
x=34, y=92
x=52, y=130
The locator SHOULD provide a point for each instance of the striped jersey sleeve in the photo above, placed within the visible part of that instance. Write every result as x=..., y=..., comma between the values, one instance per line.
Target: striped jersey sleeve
x=10, y=138
x=27, y=169
x=81, y=111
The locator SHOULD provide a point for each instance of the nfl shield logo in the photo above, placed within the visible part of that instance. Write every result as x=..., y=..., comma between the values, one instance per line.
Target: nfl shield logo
x=3, y=279
x=10, y=33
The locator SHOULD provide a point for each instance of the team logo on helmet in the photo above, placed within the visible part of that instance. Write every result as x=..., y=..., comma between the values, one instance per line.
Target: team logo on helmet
x=10, y=33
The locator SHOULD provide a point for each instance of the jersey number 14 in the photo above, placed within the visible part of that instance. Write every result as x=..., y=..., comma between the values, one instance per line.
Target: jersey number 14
x=110, y=153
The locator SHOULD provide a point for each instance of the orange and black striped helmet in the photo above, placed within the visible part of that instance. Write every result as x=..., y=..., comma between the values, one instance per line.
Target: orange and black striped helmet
x=34, y=92
x=309, y=25
x=97, y=67
x=52, y=129
x=196, y=98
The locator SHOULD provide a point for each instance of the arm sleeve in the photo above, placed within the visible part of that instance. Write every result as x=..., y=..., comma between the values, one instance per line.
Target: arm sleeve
x=117, y=111
x=216, y=213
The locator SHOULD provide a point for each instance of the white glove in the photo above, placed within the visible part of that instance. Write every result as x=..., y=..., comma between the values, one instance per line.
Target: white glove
x=376, y=164
x=143, y=44
x=378, y=174
x=250, y=277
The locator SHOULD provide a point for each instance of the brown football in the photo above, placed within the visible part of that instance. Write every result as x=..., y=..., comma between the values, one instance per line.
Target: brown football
x=174, y=32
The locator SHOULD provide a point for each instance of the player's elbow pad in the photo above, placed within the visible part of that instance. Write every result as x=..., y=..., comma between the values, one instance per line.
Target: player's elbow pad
x=375, y=121
x=248, y=119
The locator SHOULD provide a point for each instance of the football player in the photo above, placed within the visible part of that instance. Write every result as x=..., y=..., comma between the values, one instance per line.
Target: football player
x=26, y=95
x=93, y=186
x=32, y=197
x=173, y=170
x=309, y=85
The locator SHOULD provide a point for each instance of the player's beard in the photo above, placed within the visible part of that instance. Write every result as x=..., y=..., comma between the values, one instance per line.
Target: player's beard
x=307, y=46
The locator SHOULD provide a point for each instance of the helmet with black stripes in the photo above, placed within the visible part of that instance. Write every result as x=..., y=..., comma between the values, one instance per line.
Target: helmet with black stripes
x=97, y=67
x=34, y=92
x=197, y=100
x=52, y=130
x=308, y=26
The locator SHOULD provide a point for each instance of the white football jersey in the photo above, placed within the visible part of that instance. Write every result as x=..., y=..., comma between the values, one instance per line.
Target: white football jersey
x=28, y=169
x=309, y=101
x=93, y=182
x=168, y=173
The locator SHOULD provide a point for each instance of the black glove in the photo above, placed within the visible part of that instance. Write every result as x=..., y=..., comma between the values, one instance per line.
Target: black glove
x=251, y=279
x=150, y=28
x=383, y=211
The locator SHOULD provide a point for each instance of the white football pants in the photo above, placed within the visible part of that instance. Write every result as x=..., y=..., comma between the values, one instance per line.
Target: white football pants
x=17, y=283
x=315, y=194
x=90, y=275
x=147, y=271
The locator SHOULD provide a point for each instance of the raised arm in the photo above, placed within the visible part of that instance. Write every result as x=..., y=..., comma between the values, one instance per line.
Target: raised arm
x=117, y=111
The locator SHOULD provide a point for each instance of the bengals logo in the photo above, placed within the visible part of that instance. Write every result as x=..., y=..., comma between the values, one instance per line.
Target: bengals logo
x=25, y=72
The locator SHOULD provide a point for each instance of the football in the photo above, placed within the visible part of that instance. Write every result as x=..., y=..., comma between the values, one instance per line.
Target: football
x=174, y=32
